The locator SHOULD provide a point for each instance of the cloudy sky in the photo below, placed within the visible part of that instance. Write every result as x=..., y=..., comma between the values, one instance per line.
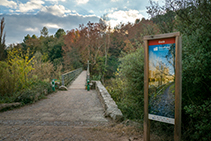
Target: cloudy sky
x=24, y=17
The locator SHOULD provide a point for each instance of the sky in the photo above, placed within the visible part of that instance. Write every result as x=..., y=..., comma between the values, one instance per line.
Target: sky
x=157, y=53
x=24, y=17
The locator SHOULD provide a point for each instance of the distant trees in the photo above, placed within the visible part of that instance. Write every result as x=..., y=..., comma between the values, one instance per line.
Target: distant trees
x=44, y=31
x=59, y=33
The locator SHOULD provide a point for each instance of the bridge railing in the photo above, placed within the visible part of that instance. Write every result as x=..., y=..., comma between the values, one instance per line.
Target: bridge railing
x=87, y=72
x=68, y=77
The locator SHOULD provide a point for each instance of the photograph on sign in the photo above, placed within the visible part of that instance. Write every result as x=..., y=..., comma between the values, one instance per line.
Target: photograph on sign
x=162, y=80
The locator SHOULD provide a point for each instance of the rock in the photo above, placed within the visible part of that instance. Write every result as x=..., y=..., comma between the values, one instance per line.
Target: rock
x=7, y=105
x=130, y=139
x=63, y=88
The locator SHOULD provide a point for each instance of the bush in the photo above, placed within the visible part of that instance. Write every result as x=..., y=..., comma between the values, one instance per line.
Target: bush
x=199, y=121
x=196, y=76
x=33, y=93
x=127, y=89
x=7, y=80
x=14, y=72
x=45, y=70
x=22, y=77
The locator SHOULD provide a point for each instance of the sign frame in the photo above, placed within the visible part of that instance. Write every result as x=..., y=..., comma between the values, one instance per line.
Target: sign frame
x=178, y=82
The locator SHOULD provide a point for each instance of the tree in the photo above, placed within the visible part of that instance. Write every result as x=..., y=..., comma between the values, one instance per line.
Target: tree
x=2, y=40
x=34, y=36
x=26, y=38
x=44, y=32
x=163, y=16
x=59, y=33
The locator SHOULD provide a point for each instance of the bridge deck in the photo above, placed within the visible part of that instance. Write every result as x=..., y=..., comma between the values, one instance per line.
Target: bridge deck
x=80, y=82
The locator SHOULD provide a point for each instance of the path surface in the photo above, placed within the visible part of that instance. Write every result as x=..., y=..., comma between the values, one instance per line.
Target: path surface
x=64, y=115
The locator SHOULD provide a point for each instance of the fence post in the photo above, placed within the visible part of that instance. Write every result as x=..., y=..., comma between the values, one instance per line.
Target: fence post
x=63, y=80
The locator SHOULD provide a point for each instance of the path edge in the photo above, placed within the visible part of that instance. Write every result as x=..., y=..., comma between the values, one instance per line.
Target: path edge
x=110, y=108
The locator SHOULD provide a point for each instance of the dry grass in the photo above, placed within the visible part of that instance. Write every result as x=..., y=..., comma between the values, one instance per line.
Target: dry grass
x=46, y=71
x=132, y=130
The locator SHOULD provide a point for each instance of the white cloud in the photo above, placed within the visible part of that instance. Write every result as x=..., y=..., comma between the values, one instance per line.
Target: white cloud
x=32, y=29
x=123, y=16
x=74, y=11
x=110, y=10
x=57, y=10
x=114, y=0
x=81, y=1
x=11, y=10
x=51, y=25
x=30, y=6
x=55, y=0
x=7, y=3
x=91, y=11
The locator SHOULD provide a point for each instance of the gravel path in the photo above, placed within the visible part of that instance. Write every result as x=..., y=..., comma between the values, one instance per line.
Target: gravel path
x=64, y=115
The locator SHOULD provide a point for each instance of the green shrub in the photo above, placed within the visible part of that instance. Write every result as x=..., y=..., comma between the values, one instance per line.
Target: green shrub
x=33, y=93
x=199, y=124
x=127, y=89
x=7, y=80
x=196, y=76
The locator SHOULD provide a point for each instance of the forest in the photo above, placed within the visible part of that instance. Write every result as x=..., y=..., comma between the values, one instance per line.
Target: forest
x=116, y=58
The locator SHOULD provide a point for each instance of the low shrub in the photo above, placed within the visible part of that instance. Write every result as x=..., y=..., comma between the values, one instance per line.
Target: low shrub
x=199, y=121
x=36, y=91
x=127, y=89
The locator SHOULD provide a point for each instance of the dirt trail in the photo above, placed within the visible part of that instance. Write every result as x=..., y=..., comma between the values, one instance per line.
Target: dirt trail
x=65, y=115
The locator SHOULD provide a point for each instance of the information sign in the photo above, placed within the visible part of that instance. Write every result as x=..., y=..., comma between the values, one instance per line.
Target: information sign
x=161, y=78
x=162, y=81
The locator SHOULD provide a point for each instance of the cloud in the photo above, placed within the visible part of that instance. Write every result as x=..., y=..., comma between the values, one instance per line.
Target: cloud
x=30, y=6
x=110, y=10
x=57, y=10
x=51, y=25
x=11, y=11
x=114, y=0
x=7, y=3
x=81, y=1
x=32, y=29
x=55, y=0
x=91, y=11
x=123, y=17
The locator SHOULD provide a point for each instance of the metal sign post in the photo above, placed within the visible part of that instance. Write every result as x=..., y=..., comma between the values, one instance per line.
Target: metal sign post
x=163, y=82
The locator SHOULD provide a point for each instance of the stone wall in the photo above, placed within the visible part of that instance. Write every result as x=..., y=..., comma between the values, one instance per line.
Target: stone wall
x=109, y=105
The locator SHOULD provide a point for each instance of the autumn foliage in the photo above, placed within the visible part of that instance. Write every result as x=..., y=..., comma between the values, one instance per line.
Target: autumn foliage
x=102, y=45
